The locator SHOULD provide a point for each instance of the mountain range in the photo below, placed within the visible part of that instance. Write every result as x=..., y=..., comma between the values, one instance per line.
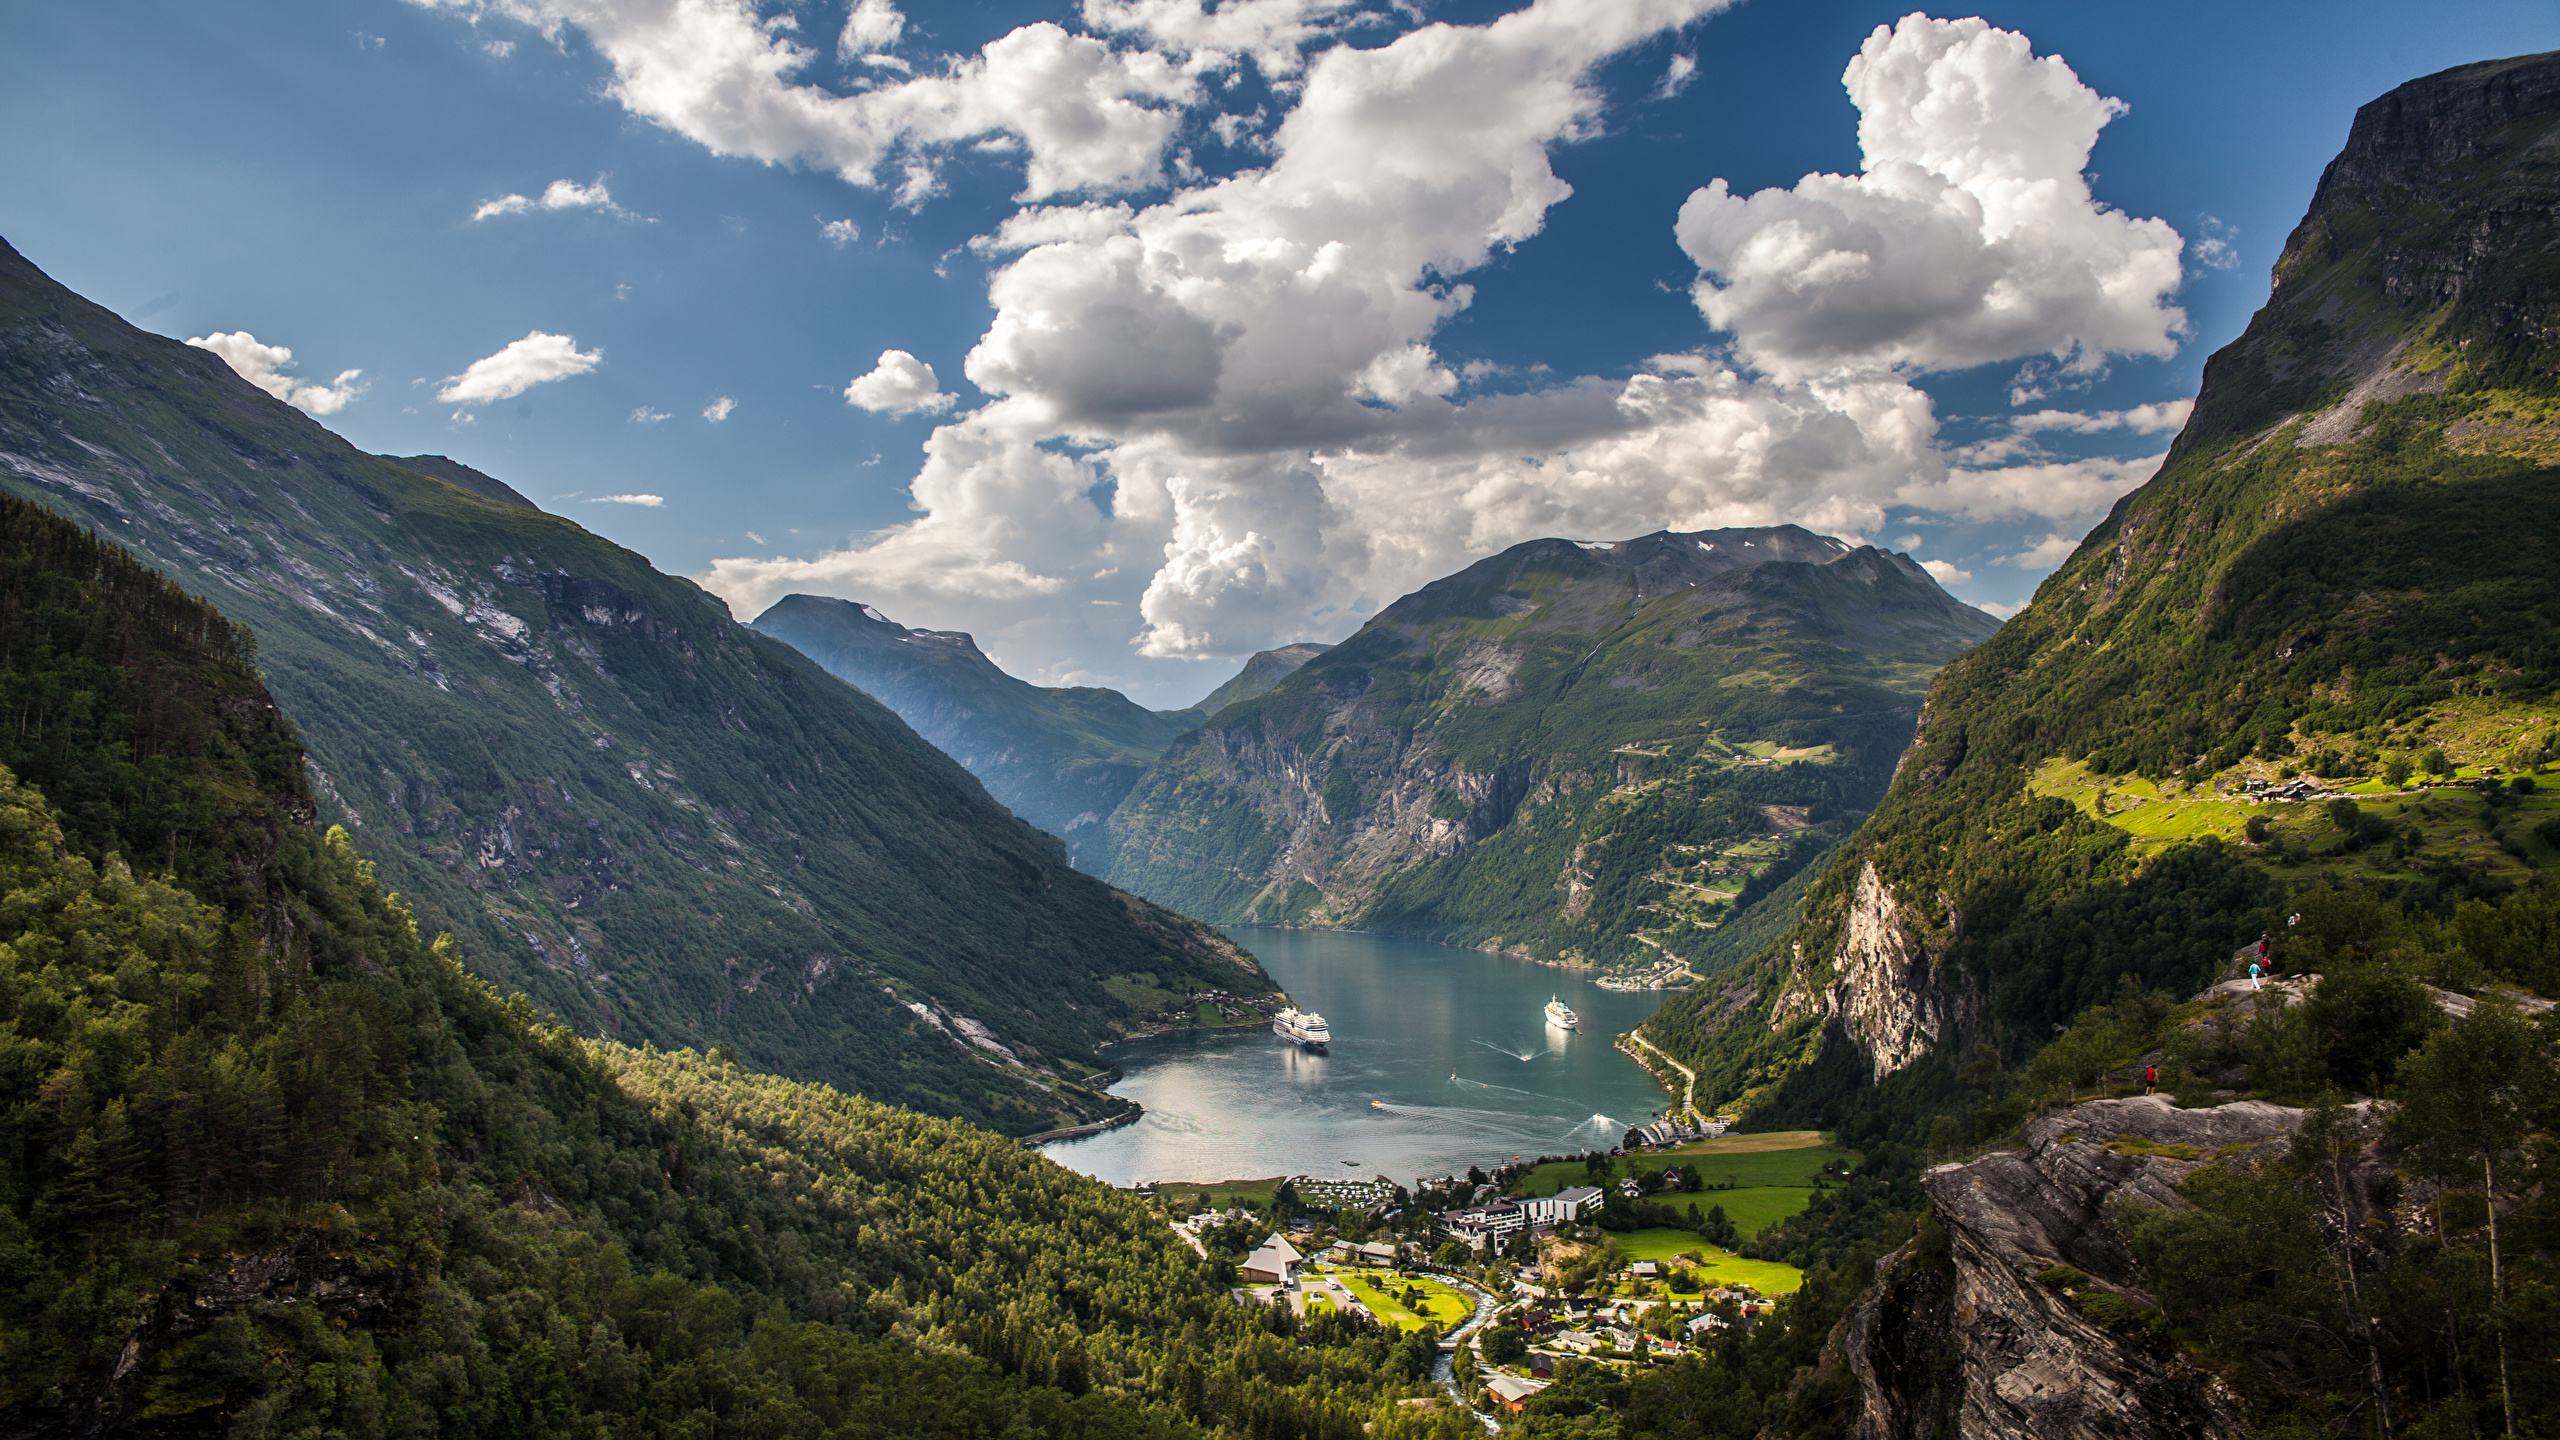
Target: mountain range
x=1577, y=751
x=660, y=824
x=1061, y=757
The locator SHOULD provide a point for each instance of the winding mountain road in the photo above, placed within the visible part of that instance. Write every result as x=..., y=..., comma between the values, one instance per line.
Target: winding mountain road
x=1688, y=1101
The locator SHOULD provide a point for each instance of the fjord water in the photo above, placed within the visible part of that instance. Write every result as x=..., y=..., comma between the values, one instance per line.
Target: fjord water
x=1407, y=1017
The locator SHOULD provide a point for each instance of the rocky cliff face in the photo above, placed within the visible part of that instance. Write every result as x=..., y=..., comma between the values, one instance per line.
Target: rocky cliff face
x=1887, y=991
x=1996, y=1337
x=1060, y=758
x=1572, y=750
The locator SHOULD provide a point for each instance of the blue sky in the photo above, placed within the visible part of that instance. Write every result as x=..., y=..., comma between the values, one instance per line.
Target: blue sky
x=1189, y=428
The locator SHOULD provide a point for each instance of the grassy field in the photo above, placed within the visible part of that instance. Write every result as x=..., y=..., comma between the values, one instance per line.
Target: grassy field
x=2452, y=823
x=1746, y=1168
x=1766, y=1276
x=1220, y=1194
x=1443, y=1308
x=1752, y=1209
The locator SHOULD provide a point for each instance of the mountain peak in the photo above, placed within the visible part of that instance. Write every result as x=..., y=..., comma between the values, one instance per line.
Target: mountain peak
x=2422, y=254
x=1266, y=669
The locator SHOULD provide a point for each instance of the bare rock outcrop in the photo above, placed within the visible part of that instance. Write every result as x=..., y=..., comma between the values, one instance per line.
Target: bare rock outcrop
x=1886, y=990
x=1972, y=1340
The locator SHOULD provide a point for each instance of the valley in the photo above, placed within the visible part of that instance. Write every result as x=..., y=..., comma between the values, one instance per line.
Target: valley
x=457, y=980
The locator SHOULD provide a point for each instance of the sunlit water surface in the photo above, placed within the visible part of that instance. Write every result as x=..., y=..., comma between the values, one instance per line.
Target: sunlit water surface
x=1441, y=1058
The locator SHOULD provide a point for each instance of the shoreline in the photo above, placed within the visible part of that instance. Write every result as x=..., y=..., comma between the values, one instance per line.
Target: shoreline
x=1158, y=1032
x=1092, y=1127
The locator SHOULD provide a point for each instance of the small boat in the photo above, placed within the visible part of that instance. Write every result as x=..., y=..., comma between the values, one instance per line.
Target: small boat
x=1377, y=1105
x=1353, y=1163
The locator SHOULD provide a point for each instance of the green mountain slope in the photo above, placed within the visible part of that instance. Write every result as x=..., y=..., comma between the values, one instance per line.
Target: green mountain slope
x=1059, y=758
x=660, y=824
x=1570, y=750
x=2319, y=644
x=269, y=1165
x=1266, y=669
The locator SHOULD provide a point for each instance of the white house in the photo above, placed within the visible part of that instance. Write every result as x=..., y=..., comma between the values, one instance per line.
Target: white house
x=1276, y=1263
x=1562, y=1208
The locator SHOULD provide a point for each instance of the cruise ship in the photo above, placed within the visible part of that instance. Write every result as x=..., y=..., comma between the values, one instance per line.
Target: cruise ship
x=1302, y=1028
x=1561, y=1015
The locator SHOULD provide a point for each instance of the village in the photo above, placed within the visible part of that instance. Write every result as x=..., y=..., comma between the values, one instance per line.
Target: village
x=1521, y=1276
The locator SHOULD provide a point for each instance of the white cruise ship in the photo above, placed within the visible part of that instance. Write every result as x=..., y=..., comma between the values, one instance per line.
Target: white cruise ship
x=1302, y=1028
x=1561, y=1015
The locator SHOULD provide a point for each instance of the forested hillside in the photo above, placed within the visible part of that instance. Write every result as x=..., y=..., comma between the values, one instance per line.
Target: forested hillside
x=1060, y=757
x=271, y=1165
x=661, y=825
x=1571, y=750
x=2318, y=645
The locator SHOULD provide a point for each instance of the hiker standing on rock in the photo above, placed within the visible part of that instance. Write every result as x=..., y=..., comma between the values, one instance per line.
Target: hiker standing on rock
x=2253, y=975
x=2150, y=1079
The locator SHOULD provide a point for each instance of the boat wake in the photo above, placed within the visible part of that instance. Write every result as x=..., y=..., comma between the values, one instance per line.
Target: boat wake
x=1451, y=1118
x=1465, y=1084
x=1514, y=1054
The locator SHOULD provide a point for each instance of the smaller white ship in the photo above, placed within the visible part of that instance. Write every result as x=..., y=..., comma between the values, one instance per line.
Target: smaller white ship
x=1561, y=1015
x=1302, y=1028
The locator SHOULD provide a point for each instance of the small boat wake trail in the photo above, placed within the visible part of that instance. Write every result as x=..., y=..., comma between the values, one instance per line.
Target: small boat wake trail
x=1466, y=1084
x=1514, y=1054
x=1460, y=1119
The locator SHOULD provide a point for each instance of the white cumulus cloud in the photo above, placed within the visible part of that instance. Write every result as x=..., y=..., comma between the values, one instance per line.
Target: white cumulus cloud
x=1219, y=414
x=1946, y=573
x=648, y=501
x=900, y=384
x=718, y=410
x=558, y=195
x=2164, y=418
x=871, y=25
x=263, y=365
x=1089, y=115
x=1968, y=236
x=536, y=359
x=839, y=233
x=646, y=416
x=2045, y=554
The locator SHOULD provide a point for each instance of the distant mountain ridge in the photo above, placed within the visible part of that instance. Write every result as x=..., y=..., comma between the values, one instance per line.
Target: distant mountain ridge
x=2341, y=578
x=659, y=823
x=1595, y=752
x=1265, y=669
x=1059, y=757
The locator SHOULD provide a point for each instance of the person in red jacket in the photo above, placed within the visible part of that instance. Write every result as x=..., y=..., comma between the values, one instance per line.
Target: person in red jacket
x=2150, y=1078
